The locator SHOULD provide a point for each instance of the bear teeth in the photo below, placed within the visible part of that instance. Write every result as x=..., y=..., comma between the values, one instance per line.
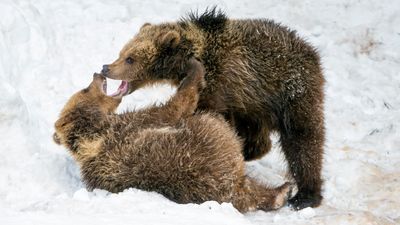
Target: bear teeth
x=105, y=86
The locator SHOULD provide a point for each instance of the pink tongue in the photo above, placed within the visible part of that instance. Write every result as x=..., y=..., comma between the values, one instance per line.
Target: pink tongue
x=123, y=88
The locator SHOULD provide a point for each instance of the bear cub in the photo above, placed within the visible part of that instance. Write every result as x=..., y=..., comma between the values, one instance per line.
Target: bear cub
x=188, y=157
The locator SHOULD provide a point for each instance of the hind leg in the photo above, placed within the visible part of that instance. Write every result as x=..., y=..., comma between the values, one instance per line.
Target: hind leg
x=256, y=137
x=302, y=141
x=251, y=195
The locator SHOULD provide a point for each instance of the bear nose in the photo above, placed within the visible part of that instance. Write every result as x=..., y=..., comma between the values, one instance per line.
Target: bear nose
x=105, y=69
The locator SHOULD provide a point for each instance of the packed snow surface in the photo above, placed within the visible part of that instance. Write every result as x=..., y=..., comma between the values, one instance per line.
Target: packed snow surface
x=50, y=49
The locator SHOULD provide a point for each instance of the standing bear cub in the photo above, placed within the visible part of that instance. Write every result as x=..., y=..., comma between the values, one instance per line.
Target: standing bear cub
x=186, y=157
x=260, y=76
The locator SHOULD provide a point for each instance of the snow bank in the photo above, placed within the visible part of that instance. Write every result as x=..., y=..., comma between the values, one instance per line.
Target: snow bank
x=50, y=49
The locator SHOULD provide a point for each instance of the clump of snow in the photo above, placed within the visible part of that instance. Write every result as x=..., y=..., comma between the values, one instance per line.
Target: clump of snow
x=50, y=49
x=307, y=213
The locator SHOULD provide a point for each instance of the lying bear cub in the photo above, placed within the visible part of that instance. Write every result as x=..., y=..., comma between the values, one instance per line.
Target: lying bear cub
x=187, y=157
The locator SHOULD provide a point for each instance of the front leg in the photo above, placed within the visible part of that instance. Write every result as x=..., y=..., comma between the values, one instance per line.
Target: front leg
x=184, y=102
x=188, y=93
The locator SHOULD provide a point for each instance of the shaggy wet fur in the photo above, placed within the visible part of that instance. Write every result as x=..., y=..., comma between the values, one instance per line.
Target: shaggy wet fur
x=260, y=75
x=186, y=157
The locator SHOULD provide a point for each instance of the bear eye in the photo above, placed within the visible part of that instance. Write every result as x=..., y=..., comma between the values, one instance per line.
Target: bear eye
x=129, y=60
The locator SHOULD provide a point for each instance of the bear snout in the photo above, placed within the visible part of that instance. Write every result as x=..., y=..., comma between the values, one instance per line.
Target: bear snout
x=105, y=70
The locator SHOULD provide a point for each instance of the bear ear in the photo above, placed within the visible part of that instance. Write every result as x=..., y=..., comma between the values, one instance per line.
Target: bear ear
x=145, y=25
x=170, y=40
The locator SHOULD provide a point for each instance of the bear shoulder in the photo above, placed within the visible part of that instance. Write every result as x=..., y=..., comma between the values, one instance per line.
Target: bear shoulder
x=210, y=20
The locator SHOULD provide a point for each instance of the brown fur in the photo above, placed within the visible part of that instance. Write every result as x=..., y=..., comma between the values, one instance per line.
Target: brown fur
x=186, y=157
x=260, y=75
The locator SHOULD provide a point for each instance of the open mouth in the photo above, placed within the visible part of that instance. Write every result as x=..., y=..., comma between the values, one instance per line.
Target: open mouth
x=121, y=91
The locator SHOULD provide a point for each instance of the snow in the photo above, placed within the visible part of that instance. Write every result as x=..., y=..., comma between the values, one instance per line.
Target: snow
x=50, y=49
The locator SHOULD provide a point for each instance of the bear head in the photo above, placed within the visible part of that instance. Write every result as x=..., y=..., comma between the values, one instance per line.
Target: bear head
x=157, y=53
x=92, y=101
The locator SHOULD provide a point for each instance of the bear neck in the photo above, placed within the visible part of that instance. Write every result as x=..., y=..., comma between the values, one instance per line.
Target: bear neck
x=209, y=47
x=197, y=38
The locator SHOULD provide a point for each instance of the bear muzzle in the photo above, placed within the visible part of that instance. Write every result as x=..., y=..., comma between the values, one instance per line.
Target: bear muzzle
x=105, y=70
